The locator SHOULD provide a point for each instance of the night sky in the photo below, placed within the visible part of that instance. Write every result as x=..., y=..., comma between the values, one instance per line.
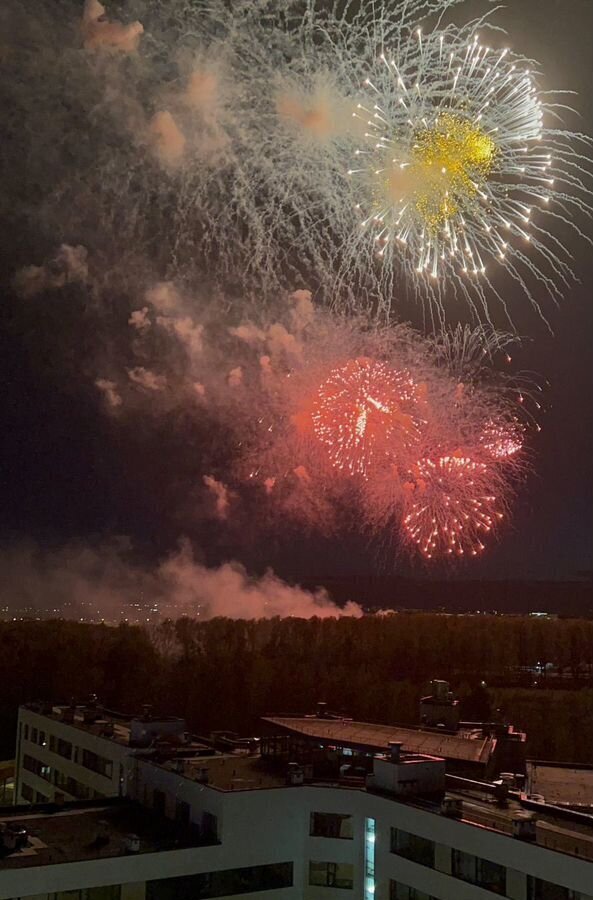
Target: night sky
x=67, y=473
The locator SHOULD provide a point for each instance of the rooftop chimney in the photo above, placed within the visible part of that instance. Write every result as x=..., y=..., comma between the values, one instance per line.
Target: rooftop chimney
x=395, y=751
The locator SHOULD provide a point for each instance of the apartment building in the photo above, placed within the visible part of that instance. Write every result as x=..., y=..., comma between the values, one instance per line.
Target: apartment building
x=197, y=823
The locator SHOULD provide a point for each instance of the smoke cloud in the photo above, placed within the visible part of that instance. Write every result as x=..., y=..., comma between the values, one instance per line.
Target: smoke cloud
x=100, y=583
x=67, y=266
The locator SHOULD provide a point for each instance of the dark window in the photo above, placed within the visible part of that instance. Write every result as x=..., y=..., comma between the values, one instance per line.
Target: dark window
x=158, y=802
x=412, y=846
x=40, y=798
x=52, y=743
x=64, y=748
x=97, y=763
x=482, y=872
x=209, y=827
x=399, y=891
x=182, y=811
x=27, y=793
x=251, y=879
x=26, y=732
x=34, y=735
x=72, y=786
x=331, y=825
x=538, y=889
x=41, y=739
x=331, y=874
x=106, y=892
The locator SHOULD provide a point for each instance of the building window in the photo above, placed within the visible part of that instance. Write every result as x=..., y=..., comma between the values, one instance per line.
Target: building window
x=538, y=889
x=229, y=882
x=71, y=786
x=370, y=831
x=331, y=874
x=209, y=827
x=105, y=892
x=33, y=735
x=182, y=813
x=399, y=891
x=412, y=846
x=41, y=739
x=97, y=764
x=64, y=748
x=27, y=792
x=37, y=767
x=40, y=798
x=52, y=743
x=159, y=801
x=481, y=872
x=26, y=732
x=331, y=825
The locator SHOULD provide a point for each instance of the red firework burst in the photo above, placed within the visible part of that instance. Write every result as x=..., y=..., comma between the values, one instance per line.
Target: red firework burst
x=365, y=415
x=502, y=440
x=451, y=508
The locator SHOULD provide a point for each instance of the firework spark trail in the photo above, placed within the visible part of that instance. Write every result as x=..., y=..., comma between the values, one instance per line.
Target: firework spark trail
x=364, y=414
x=217, y=144
x=460, y=166
x=448, y=510
x=388, y=430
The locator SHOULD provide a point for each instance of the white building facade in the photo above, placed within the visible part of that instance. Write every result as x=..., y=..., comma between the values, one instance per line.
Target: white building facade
x=58, y=757
x=274, y=840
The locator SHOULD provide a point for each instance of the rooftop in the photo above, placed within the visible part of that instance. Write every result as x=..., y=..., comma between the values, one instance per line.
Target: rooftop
x=121, y=728
x=556, y=829
x=229, y=772
x=80, y=832
x=469, y=746
x=567, y=785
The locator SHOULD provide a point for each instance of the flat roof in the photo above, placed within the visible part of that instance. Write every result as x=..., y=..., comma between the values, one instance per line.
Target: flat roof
x=466, y=746
x=228, y=772
x=555, y=829
x=107, y=720
x=73, y=833
x=561, y=784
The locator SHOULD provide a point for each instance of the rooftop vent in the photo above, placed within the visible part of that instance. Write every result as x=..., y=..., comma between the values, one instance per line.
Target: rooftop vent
x=452, y=807
x=524, y=826
x=395, y=751
x=322, y=710
x=295, y=774
x=132, y=843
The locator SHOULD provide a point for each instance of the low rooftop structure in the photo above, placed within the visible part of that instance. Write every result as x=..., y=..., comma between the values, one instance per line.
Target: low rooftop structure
x=463, y=747
x=81, y=831
x=564, y=785
x=140, y=731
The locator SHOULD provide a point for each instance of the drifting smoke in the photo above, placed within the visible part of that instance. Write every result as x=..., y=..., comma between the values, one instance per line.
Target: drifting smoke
x=101, y=34
x=98, y=583
x=68, y=266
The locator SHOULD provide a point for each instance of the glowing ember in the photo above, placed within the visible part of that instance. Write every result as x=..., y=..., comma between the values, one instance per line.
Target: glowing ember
x=364, y=414
x=502, y=439
x=450, y=508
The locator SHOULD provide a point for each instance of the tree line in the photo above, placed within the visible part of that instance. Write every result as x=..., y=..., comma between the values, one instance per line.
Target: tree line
x=225, y=674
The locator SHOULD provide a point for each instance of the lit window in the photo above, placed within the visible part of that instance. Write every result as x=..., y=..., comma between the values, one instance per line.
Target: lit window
x=331, y=874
